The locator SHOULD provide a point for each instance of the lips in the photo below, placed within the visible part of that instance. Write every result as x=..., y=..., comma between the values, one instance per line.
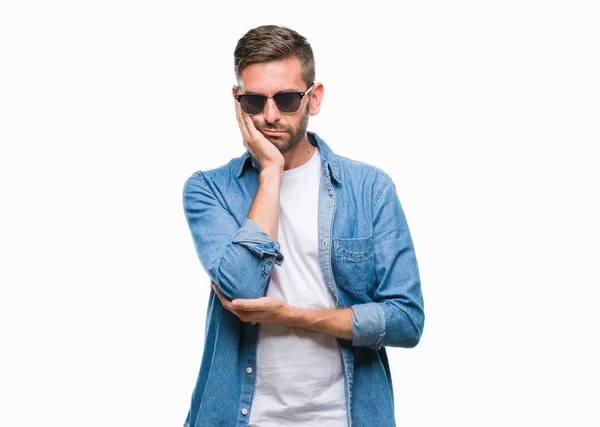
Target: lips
x=272, y=132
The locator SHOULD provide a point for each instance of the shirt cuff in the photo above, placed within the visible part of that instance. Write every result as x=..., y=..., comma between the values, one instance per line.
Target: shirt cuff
x=368, y=325
x=258, y=241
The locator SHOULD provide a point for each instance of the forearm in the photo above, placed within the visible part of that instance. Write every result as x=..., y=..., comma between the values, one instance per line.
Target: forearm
x=265, y=207
x=334, y=322
x=243, y=270
x=239, y=257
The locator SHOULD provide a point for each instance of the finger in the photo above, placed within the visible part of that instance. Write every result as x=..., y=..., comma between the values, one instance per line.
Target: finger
x=257, y=304
x=247, y=123
x=247, y=127
x=224, y=300
x=227, y=304
x=239, y=115
x=218, y=292
x=252, y=131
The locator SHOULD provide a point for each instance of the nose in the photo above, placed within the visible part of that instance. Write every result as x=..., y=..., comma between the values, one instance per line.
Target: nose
x=271, y=112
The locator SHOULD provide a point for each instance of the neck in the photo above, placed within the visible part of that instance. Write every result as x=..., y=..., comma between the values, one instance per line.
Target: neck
x=301, y=153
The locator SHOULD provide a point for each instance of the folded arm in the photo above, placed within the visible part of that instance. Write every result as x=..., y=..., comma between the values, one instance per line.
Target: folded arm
x=239, y=258
x=394, y=318
x=396, y=315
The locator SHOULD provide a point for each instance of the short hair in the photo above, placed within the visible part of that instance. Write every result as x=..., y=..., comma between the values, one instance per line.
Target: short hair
x=270, y=43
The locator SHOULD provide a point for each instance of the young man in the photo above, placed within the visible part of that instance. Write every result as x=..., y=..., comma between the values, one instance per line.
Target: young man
x=312, y=264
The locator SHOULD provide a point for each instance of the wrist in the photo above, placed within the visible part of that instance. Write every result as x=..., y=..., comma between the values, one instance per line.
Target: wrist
x=293, y=316
x=271, y=172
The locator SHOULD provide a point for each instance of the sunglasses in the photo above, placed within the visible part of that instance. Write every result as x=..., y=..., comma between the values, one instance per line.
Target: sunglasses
x=287, y=102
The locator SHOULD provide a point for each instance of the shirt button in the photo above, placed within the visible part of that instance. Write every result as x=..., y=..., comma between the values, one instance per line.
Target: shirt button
x=249, y=370
x=245, y=411
x=254, y=323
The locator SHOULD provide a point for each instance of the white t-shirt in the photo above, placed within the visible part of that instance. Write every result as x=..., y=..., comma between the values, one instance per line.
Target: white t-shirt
x=299, y=373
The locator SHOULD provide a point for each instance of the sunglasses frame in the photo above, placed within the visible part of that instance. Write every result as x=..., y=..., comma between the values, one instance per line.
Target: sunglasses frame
x=266, y=98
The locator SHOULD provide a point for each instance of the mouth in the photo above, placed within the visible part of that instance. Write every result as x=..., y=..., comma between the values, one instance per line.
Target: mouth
x=272, y=132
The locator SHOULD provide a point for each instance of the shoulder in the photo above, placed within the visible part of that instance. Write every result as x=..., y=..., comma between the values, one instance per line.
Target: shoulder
x=354, y=166
x=363, y=174
x=217, y=175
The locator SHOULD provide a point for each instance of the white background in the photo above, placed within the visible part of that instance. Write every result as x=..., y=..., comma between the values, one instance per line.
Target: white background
x=485, y=114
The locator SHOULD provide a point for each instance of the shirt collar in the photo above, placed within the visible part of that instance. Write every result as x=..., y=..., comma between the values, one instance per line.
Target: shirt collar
x=327, y=156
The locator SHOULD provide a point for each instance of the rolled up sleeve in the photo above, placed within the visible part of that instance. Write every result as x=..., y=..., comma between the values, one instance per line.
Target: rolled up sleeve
x=252, y=236
x=368, y=325
x=239, y=258
x=396, y=316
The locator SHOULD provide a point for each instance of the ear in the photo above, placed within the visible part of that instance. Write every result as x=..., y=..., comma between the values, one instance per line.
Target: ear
x=316, y=98
x=234, y=91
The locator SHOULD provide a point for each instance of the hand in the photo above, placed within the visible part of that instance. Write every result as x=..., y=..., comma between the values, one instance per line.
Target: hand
x=268, y=310
x=263, y=150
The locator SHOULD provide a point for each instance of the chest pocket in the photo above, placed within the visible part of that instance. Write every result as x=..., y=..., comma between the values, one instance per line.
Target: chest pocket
x=354, y=263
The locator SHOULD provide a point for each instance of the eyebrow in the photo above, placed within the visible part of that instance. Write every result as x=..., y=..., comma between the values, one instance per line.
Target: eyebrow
x=284, y=90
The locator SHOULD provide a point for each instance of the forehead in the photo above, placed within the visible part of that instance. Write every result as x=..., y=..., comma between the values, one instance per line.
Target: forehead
x=273, y=76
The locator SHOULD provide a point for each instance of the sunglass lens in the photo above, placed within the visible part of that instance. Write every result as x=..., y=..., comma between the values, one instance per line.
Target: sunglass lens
x=252, y=104
x=287, y=102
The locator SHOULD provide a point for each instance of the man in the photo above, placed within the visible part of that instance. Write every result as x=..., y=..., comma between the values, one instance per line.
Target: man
x=312, y=264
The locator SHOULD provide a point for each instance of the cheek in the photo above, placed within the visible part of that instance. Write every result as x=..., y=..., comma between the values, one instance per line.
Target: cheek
x=299, y=123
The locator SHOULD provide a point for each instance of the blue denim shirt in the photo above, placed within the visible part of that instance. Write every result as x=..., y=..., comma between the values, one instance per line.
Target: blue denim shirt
x=368, y=263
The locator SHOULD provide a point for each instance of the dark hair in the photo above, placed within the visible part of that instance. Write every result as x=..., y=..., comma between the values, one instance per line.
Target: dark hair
x=271, y=43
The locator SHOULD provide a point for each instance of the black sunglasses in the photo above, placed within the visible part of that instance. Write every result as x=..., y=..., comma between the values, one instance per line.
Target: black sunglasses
x=287, y=102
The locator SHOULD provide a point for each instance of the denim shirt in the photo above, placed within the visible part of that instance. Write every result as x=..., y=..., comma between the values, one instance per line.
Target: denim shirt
x=368, y=263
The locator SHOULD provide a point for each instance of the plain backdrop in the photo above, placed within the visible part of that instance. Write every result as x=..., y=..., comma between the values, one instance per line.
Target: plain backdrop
x=485, y=114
